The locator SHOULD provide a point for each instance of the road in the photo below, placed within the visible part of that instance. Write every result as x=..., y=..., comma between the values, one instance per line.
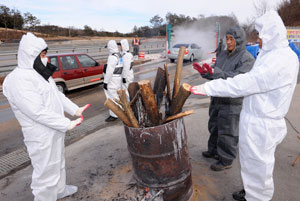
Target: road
x=11, y=135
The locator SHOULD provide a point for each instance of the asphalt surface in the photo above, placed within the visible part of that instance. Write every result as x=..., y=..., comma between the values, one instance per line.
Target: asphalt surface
x=100, y=165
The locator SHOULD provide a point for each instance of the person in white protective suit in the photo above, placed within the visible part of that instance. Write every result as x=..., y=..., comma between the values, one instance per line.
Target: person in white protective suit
x=39, y=107
x=112, y=76
x=267, y=90
x=127, y=57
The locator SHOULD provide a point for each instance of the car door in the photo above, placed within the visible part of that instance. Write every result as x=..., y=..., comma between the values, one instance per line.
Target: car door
x=92, y=72
x=71, y=72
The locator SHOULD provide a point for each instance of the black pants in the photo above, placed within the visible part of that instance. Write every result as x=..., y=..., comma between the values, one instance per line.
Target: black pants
x=223, y=126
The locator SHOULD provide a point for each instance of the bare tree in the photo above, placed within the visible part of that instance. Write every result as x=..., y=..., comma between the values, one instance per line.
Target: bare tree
x=31, y=21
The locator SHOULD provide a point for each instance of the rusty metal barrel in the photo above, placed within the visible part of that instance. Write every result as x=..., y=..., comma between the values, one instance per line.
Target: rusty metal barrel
x=160, y=159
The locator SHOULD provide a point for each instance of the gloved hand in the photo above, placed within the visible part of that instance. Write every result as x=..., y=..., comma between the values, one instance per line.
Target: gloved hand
x=124, y=80
x=82, y=109
x=75, y=123
x=207, y=68
x=198, y=68
x=105, y=86
x=198, y=90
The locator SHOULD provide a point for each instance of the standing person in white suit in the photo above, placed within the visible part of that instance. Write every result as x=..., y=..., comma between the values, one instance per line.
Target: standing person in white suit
x=39, y=107
x=267, y=90
x=127, y=74
x=112, y=75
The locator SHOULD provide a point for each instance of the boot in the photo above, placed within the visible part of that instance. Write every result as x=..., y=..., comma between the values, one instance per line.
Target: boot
x=111, y=118
x=219, y=166
x=208, y=154
x=69, y=190
x=239, y=195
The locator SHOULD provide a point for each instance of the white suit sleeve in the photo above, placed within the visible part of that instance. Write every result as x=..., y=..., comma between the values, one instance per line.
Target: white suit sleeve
x=30, y=102
x=268, y=76
x=112, y=62
x=68, y=105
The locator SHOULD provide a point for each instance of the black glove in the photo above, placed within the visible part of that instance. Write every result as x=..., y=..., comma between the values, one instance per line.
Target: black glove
x=105, y=86
x=124, y=80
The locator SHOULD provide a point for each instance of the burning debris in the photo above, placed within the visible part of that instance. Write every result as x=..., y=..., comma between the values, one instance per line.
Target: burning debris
x=143, y=110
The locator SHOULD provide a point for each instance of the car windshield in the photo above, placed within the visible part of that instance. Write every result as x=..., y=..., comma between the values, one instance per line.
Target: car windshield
x=179, y=45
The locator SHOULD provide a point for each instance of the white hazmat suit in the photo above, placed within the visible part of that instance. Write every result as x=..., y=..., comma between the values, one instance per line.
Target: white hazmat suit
x=39, y=107
x=267, y=90
x=127, y=57
x=113, y=72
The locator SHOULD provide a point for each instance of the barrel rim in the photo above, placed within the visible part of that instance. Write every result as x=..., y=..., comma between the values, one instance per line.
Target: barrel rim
x=158, y=126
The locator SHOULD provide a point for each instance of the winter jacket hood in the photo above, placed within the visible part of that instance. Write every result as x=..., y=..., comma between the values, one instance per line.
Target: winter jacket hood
x=239, y=36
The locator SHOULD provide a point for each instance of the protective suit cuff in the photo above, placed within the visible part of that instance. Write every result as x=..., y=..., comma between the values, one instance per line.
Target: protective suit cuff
x=68, y=121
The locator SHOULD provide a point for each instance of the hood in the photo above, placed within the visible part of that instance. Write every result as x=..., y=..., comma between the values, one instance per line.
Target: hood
x=30, y=47
x=239, y=36
x=272, y=31
x=112, y=47
x=125, y=45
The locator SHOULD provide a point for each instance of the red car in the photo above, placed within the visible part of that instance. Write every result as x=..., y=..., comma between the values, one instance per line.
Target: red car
x=75, y=71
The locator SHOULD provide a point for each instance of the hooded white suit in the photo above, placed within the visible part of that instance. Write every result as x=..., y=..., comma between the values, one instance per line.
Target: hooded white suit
x=112, y=74
x=268, y=89
x=127, y=63
x=39, y=107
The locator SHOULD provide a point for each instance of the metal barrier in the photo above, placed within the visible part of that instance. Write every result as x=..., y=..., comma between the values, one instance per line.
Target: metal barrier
x=101, y=53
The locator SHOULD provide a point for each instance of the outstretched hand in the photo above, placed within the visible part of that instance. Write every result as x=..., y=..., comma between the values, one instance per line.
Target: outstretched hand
x=198, y=90
x=198, y=68
x=82, y=109
x=206, y=67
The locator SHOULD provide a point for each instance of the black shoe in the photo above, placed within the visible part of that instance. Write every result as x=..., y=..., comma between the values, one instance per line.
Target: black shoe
x=110, y=118
x=219, y=166
x=208, y=154
x=239, y=195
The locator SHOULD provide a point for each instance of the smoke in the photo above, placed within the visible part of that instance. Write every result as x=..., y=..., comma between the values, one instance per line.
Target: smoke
x=204, y=37
x=203, y=32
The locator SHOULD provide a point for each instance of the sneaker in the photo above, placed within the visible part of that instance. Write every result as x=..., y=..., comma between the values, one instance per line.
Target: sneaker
x=219, y=166
x=208, y=154
x=239, y=195
x=69, y=190
x=110, y=118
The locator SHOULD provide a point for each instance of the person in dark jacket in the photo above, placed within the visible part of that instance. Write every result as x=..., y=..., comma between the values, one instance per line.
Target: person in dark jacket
x=224, y=113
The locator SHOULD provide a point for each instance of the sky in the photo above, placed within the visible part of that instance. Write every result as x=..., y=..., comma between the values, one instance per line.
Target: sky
x=123, y=15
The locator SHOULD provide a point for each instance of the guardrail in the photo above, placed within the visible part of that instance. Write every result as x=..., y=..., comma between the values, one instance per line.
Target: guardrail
x=96, y=53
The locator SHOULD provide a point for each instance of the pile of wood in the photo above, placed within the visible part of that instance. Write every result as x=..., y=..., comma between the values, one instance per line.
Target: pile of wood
x=143, y=110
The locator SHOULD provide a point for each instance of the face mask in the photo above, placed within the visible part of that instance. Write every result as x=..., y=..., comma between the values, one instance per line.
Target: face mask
x=44, y=61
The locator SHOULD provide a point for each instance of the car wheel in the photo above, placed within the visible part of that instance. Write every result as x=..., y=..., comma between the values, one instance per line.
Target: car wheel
x=172, y=60
x=61, y=87
x=192, y=58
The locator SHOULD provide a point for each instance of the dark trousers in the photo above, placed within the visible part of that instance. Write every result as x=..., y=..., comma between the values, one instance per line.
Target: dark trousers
x=136, y=50
x=223, y=126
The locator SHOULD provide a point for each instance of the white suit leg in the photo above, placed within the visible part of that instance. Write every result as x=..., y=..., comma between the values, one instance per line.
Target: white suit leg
x=62, y=181
x=257, y=144
x=111, y=93
x=45, y=154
